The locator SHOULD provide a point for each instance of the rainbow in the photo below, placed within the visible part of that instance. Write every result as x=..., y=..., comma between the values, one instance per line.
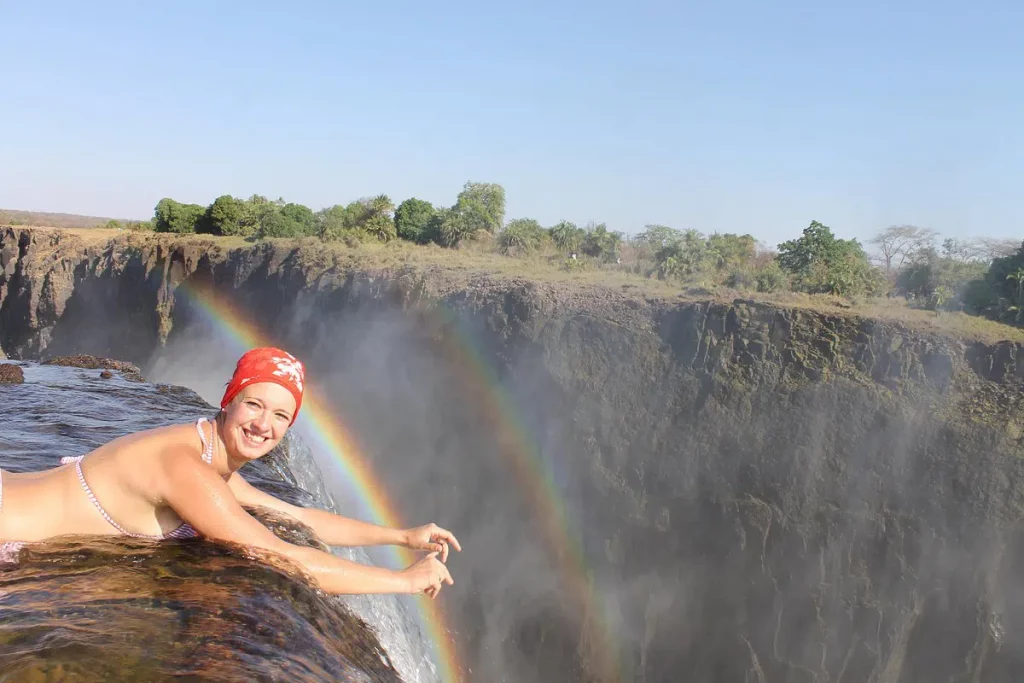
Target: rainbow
x=536, y=481
x=328, y=435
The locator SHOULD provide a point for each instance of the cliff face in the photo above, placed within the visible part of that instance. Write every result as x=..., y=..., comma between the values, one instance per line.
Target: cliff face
x=753, y=493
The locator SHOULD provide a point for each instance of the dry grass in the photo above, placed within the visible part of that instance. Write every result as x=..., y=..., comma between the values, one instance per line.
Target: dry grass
x=52, y=220
x=480, y=259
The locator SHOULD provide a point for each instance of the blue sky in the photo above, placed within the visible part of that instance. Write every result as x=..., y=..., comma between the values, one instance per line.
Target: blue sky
x=738, y=116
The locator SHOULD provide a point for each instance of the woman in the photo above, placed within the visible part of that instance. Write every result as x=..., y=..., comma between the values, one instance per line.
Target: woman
x=182, y=480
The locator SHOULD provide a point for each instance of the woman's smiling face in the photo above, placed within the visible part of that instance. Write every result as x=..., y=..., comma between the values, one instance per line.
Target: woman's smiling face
x=256, y=420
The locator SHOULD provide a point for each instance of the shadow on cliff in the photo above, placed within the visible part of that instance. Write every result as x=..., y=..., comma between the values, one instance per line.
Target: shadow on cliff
x=110, y=307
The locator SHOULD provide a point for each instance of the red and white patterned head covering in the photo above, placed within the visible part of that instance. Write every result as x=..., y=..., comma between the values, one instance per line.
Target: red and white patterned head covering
x=267, y=364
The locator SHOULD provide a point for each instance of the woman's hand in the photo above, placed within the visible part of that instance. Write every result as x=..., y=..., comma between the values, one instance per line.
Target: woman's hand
x=427, y=576
x=433, y=538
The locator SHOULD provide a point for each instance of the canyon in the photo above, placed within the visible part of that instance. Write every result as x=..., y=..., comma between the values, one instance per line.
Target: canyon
x=648, y=487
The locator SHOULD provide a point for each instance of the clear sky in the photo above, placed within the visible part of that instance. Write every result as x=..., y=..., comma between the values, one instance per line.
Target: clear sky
x=731, y=116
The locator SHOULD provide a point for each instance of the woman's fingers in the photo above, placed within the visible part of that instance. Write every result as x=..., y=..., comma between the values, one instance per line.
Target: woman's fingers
x=448, y=537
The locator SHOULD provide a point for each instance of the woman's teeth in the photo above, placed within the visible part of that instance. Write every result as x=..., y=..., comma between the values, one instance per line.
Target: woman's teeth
x=253, y=439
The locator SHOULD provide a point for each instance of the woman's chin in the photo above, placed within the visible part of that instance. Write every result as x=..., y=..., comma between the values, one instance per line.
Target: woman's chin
x=246, y=451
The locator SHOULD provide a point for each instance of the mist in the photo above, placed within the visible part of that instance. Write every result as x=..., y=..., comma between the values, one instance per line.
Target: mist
x=408, y=399
x=645, y=489
x=732, y=525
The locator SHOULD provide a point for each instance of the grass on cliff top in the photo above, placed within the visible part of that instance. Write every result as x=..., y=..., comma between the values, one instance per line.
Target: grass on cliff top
x=480, y=259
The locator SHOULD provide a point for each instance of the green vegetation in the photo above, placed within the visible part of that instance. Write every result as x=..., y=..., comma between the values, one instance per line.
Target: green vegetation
x=980, y=277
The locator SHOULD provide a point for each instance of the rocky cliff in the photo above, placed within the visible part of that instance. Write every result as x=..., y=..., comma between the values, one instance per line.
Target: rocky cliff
x=744, y=492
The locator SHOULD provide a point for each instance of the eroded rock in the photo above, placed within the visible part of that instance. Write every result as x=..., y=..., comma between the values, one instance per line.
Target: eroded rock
x=86, y=362
x=11, y=374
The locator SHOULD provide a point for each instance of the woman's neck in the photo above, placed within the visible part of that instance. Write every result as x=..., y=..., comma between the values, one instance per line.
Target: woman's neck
x=222, y=462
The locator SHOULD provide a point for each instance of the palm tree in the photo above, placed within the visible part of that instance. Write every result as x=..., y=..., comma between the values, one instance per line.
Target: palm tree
x=567, y=237
x=382, y=205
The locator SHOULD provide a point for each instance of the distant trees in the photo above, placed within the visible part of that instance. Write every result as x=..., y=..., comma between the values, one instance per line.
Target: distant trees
x=521, y=236
x=567, y=237
x=972, y=275
x=172, y=216
x=725, y=258
x=980, y=275
x=415, y=221
x=999, y=293
x=898, y=243
x=225, y=216
x=480, y=207
x=819, y=262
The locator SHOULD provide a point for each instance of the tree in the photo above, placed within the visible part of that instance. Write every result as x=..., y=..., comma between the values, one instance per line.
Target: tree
x=257, y=216
x=567, y=237
x=821, y=263
x=224, y=216
x=657, y=237
x=932, y=277
x=455, y=225
x=301, y=218
x=378, y=220
x=990, y=248
x=899, y=243
x=172, y=216
x=413, y=219
x=276, y=224
x=483, y=205
x=731, y=250
x=381, y=226
x=960, y=251
x=599, y=242
x=1003, y=294
x=331, y=223
x=521, y=236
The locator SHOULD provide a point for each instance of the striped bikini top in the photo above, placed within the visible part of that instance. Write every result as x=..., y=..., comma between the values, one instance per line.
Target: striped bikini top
x=183, y=531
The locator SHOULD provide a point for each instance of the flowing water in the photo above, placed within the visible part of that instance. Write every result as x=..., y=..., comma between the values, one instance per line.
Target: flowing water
x=111, y=608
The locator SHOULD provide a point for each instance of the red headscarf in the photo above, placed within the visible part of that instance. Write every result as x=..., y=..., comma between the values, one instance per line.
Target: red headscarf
x=267, y=365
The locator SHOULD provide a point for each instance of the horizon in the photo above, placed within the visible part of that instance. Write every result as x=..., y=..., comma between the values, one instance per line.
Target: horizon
x=734, y=119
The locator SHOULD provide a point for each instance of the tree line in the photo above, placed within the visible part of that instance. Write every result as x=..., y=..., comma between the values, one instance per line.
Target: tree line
x=981, y=276
x=479, y=207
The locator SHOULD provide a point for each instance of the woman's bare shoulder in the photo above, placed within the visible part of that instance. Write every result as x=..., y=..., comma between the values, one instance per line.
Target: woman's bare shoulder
x=174, y=440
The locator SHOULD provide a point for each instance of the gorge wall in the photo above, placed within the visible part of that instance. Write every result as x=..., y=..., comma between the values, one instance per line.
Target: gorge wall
x=646, y=489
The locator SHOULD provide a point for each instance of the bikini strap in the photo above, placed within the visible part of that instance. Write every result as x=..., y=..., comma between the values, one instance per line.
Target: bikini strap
x=96, y=502
x=207, y=447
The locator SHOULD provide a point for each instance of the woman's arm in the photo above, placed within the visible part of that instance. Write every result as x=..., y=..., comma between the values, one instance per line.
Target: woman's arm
x=331, y=528
x=342, y=531
x=204, y=500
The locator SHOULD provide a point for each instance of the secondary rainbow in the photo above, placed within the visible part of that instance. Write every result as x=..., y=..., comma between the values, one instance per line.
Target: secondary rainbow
x=329, y=434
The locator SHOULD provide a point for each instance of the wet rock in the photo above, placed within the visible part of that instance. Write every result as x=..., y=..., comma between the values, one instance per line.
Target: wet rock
x=86, y=362
x=106, y=374
x=183, y=395
x=128, y=610
x=11, y=374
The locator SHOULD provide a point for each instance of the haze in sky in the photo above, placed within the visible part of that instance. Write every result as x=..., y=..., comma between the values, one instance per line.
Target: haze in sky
x=733, y=116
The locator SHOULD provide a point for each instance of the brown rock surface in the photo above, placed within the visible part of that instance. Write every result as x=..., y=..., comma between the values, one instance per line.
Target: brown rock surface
x=87, y=362
x=11, y=374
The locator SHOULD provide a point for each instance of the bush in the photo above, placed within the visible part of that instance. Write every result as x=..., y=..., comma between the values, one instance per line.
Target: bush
x=521, y=236
x=741, y=279
x=771, y=278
